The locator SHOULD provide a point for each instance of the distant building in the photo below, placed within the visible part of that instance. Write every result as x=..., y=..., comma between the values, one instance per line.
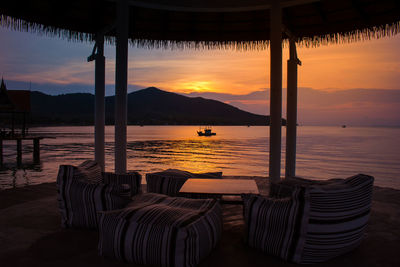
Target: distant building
x=15, y=107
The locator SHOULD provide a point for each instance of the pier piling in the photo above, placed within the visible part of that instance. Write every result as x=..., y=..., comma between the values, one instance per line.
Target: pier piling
x=36, y=150
x=19, y=139
x=19, y=152
x=1, y=152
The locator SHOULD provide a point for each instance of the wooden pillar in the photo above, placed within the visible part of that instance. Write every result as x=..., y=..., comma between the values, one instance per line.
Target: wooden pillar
x=36, y=150
x=23, y=123
x=12, y=123
x=99, y=127
x=291, y=126
x=19, y=151
x=1, y=152
x=121, y=84
x=275, y=92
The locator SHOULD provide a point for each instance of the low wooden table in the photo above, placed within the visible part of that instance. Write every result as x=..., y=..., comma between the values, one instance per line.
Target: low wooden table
x=220, y=187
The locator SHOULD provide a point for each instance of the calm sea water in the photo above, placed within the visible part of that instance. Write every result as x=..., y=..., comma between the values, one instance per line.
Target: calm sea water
x=322, y=152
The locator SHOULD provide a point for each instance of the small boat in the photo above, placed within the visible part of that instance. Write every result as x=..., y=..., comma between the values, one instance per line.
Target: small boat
x=206, y=132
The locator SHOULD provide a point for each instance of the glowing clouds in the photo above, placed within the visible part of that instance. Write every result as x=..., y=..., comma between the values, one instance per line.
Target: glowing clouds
x=198, y=86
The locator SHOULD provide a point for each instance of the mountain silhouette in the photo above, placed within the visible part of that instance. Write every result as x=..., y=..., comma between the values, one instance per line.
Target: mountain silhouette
x=150, y=106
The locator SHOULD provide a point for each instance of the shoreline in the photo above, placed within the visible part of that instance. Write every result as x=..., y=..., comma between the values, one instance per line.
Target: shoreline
x=7, y=191
x=23, y=194
x=31, y=235
x=217, y=125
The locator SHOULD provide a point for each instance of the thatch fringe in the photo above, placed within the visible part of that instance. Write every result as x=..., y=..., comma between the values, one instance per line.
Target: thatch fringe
x=200, y=45
x=25, y=26
x=376, y=32
x=337, y=38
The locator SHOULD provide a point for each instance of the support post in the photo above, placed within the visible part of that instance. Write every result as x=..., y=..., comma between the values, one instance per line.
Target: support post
x=291, y=126
x=1, y=152
x=99, y=126
x=23, y=123
x=19, y=152
x=36, y=150
x=121, y=83
x=12, y=123
x=275, y=128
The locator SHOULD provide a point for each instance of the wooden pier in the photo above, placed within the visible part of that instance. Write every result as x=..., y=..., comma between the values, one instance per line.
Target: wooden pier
x=19, y=139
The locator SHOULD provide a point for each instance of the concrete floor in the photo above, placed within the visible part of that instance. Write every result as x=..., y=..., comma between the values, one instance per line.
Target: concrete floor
x=30, y=234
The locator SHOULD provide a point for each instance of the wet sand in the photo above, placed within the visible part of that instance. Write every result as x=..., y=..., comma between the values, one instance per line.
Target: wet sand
x=31, y=235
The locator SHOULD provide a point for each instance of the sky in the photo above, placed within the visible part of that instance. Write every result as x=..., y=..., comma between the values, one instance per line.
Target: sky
x=355, y=84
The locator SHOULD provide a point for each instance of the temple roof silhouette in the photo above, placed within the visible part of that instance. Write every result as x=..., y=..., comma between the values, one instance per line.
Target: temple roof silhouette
x=14, y=100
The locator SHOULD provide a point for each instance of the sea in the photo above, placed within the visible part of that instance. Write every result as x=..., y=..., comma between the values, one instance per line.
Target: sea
x=322, y=152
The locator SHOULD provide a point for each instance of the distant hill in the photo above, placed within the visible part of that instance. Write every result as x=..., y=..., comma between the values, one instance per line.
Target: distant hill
x=150, y=106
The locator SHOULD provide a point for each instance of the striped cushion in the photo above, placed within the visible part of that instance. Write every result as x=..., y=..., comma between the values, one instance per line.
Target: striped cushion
x=162, y=231
x=133, y=179
x=277, y=226
x=284, y=187
x=79, y=201
x=170, y=181
x=88, y=172
x=339, y=213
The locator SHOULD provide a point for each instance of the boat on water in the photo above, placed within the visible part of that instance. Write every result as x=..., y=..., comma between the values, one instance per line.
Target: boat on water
x=206, y=132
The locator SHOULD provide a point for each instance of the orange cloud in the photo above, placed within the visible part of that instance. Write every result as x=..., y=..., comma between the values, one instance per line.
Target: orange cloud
x=368, y=64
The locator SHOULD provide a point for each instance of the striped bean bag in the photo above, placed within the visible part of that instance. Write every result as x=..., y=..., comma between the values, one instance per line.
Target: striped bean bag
x=133, y=179
x=88, y=171
x=338, y=214
x=277, y=226
x=82, y=193
x=162, y=231
x=170, y=181
x=284, y=187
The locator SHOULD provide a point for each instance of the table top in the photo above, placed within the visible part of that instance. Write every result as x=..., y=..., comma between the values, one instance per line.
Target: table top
x=220, y=186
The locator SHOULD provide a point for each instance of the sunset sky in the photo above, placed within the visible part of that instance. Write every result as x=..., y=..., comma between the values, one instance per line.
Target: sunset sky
x=355, y=83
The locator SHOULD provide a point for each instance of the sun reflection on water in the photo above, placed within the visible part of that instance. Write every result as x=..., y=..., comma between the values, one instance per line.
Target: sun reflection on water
x=322, y=152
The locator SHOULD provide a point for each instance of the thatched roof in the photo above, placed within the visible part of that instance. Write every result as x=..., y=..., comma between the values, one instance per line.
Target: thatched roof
x=243, y=24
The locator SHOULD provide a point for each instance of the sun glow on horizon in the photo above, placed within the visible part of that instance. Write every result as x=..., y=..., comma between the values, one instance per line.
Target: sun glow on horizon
x=197, y=86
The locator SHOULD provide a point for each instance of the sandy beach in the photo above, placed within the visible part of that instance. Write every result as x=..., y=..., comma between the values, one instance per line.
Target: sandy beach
x=31, y=235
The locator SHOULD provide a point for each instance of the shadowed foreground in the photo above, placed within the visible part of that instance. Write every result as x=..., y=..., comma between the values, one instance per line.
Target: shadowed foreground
x=30, y=234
